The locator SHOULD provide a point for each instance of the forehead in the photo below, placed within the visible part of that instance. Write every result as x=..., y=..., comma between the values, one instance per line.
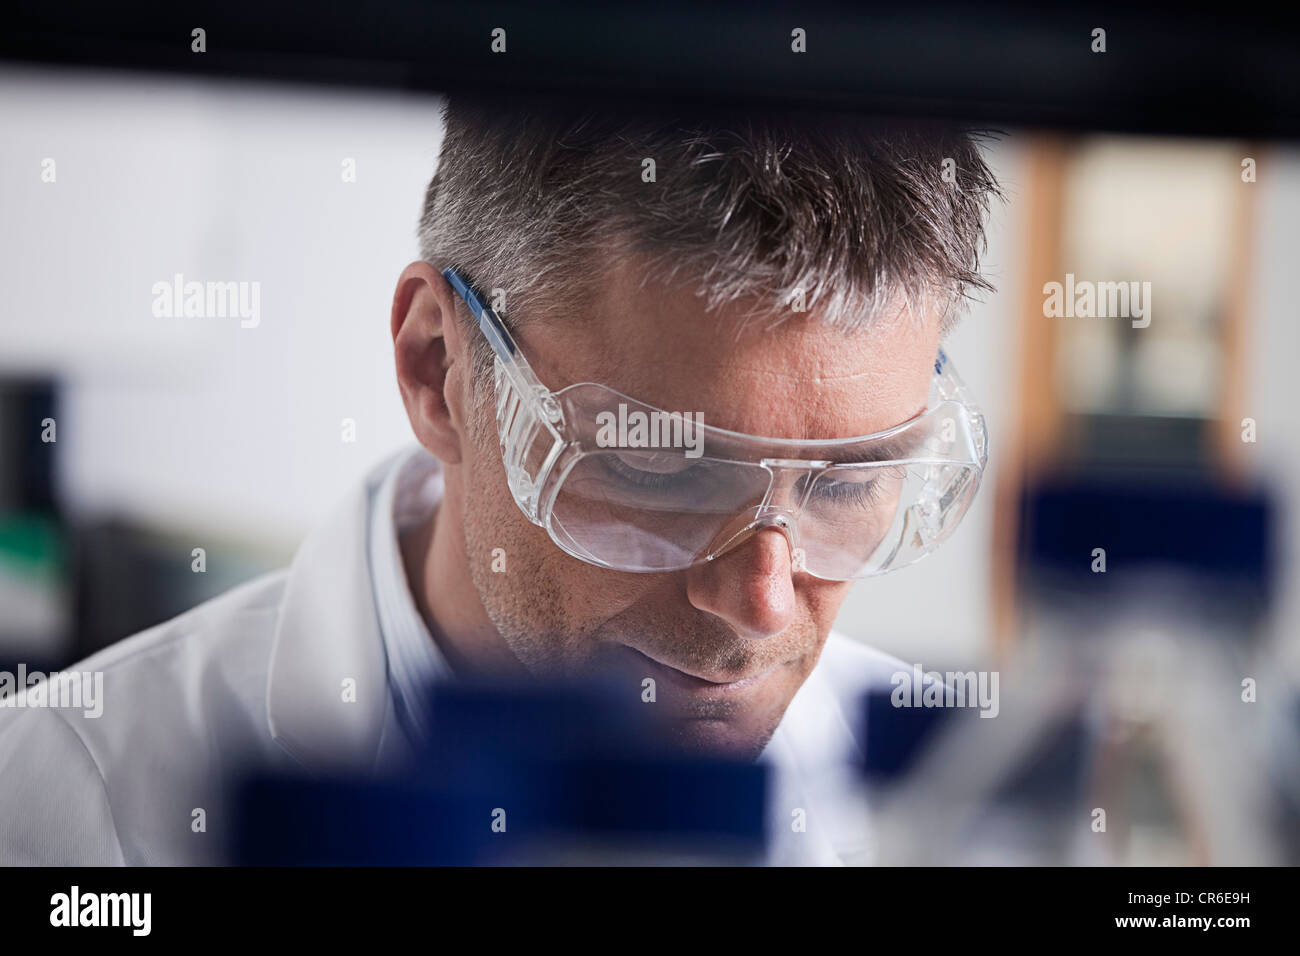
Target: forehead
x=796, y=378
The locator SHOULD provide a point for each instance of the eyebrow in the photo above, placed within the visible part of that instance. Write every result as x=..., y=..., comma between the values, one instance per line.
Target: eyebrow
x=885, y=449
x=897, y=448
x=889, y=449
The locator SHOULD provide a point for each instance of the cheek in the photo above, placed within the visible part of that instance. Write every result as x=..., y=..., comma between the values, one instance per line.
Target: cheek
x=823, y=600
x=493, y=522
x=594, y=594
x=587, y=592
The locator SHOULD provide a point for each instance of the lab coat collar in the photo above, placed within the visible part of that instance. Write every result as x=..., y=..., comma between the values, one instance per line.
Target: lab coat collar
x=327, y=687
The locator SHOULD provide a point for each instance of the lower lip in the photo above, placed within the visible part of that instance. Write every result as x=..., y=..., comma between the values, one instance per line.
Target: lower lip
x=698, y=686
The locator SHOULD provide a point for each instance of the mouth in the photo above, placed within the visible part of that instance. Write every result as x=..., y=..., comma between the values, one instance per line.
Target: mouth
x=698, y=684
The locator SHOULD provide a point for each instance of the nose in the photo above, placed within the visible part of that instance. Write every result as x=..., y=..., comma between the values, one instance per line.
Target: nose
x=749, y=586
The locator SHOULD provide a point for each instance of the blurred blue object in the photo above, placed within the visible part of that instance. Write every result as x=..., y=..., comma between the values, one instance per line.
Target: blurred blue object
x=300, y=821
x=1197, y=527
x=896, y=736
x=519, y=773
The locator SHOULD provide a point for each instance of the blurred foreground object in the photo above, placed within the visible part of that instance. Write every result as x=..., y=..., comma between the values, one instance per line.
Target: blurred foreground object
x=517, y=774
x=1138, y=722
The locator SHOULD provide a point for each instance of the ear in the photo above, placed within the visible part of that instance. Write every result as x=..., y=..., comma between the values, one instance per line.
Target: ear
x=432, y=360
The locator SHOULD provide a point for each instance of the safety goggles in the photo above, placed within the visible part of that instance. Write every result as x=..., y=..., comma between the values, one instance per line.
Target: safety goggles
x=625, y=485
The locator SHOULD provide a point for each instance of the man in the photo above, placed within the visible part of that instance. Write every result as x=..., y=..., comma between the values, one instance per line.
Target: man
x=778, y=285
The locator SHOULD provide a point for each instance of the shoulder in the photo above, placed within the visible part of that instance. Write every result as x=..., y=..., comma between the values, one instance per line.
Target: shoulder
x=194, y=672
x=56, y=806
x=227, y=635
x=159, y=712
x=207, y=631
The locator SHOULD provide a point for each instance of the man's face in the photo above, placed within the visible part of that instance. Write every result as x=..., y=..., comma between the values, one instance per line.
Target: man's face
x=728, y=643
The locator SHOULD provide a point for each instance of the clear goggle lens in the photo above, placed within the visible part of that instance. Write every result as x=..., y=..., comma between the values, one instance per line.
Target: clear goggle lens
x=662, y=509
x=842, y=522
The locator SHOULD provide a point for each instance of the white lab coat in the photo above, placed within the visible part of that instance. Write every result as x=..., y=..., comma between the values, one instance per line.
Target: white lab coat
x=255, y=675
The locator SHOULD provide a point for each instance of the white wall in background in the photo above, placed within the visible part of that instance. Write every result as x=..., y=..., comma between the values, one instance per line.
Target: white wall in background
x=1272, y=382
x=201, y=422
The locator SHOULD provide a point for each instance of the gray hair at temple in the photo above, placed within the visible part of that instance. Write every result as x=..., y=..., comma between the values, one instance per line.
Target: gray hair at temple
x=532, y=197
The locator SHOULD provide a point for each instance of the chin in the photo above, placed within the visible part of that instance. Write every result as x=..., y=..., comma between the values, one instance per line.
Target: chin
x=718, y=738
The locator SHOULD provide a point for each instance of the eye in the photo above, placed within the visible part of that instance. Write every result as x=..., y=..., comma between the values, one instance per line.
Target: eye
x=660, y=472
x=864, y=488
x=668, y=463
x=862, y=493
